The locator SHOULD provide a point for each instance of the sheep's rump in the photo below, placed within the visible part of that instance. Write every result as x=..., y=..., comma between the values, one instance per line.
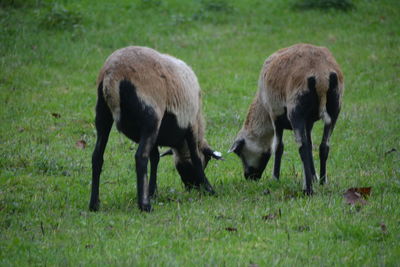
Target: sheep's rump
x=162, y=82
x=285, y=74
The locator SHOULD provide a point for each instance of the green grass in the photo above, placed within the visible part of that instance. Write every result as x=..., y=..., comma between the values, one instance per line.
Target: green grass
x=50, y=55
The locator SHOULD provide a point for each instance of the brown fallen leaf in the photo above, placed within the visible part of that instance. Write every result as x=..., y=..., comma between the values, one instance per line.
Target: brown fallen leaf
x=56, y=115
x=272, y=216
x=80, y=144
x=357, y=195
x=363, y=191
x=353, y=198
x=231, y=229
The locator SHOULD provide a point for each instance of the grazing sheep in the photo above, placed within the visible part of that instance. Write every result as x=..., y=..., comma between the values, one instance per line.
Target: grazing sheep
x=155, y=100
x=297, y=86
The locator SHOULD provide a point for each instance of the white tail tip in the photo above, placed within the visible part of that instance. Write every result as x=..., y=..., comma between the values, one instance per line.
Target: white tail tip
x=217, y=154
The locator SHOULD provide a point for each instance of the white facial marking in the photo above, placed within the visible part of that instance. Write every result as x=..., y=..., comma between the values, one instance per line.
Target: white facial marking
x=251, y=153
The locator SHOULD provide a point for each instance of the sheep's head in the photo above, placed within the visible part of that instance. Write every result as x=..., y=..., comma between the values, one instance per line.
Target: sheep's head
x=254, y=158
x=185, y=166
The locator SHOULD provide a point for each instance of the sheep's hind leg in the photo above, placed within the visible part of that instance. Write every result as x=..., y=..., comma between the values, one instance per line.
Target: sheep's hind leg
x=309, y=139
x=324, y=149
x=154, y=159
x=201, y=178
x=103, y=122
x=146, y=143
x=301, y=119
x=333, y=109
x=305, y=152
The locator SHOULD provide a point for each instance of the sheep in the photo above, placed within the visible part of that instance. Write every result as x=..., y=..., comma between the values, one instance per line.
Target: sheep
x=155, y=100
x=297, y=86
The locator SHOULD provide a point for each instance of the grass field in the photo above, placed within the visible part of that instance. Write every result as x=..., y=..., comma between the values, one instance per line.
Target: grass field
x=50, y=55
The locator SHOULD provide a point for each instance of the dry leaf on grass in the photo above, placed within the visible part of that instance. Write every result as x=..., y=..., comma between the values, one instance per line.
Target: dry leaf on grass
x=272, y=216
x=80, y=144
x=363, y=191
x=357, y=195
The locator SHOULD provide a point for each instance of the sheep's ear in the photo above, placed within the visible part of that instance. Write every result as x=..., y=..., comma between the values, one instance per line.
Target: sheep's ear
x=214, y=154
x=168, y=152
x=237, y=146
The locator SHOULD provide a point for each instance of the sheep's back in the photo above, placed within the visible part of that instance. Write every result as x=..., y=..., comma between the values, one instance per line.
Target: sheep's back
x=161, y=81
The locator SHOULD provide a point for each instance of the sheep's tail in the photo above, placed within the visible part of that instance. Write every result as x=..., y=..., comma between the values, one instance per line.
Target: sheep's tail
x=332, y=85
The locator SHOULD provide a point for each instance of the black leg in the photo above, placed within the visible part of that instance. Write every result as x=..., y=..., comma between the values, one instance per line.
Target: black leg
x=278, y=150
x=103, y=122
x=309, y=128
x=301, y=118
x=188, y=175
x=154, y=159
x=299, y=128
x=333, y=108
x=196, y=161
x=146, y=143
x=324, y=150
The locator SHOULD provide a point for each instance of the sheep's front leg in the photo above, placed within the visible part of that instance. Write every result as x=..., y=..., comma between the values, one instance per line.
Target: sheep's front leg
x=201, y=178
x=147, y=141
x=278, y=150
x=154, y=159
x=103, y=122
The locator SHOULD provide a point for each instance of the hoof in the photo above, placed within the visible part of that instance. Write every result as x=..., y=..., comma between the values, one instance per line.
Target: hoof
x=145, y=207
x=323, y=180
x=94, y=206
x=208, y=189
x=308, y=192
x=211, y=192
